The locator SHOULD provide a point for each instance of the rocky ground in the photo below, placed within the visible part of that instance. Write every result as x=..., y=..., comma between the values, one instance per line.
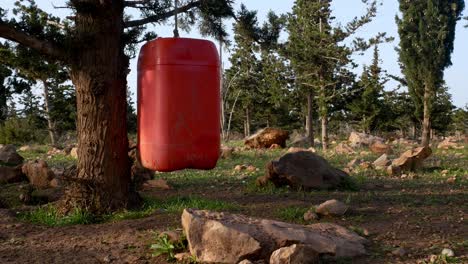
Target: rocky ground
x=406, y=217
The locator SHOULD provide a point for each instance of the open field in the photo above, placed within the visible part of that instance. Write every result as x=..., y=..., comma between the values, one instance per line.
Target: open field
x=424, y=212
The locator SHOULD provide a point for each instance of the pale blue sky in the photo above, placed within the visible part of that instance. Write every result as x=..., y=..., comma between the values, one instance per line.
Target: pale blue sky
x=344, y=10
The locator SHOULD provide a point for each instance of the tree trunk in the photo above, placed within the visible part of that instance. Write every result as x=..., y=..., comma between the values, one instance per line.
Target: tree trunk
x=309, y=118
x=102, y=183
x=247, y=123
x=3, y=103
x=324, y=116
x=426, y=125
x=47, y=106
x=324, y=133
x=413, y=131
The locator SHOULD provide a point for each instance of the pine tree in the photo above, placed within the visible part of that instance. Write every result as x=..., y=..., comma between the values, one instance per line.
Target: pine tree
x=318, y=54
x=427, y=33
x=4, y=92
x=369, y=106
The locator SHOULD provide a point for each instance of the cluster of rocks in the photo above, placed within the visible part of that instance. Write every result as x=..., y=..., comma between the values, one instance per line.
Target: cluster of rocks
x=450, y=143
x=229, y=238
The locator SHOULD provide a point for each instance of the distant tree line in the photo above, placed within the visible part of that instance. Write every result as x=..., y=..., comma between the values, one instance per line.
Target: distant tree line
x=308, y=83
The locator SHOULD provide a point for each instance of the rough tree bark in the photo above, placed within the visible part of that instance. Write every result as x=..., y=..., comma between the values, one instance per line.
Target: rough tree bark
x=426, y=125
x=309, y=118
x=247, y=122
x=102, y=183
x=324, y=115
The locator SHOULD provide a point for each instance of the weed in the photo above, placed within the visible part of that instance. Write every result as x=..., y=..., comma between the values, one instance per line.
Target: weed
x=49, y=216
x=164, y=246
x=292, y=214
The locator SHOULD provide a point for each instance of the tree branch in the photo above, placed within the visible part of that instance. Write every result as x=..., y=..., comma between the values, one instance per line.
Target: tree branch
x=157, y=18
x=44, y=47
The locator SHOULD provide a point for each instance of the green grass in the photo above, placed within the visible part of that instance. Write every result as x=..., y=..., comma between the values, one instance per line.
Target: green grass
x=293, y=214
x=49, y=216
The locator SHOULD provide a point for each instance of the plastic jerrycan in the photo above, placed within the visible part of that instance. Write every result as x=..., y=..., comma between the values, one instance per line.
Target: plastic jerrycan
x=178, y=104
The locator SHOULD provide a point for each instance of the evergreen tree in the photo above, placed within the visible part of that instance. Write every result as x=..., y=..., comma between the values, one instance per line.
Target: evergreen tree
x=427, y=33
x=4, y=92
x=318, y=54
x=369, y=106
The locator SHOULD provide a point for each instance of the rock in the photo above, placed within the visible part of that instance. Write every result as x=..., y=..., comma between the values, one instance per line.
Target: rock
x=156, y=184
x=74, y=152
x=275, y=146
x=310, y=215
x=295, y=149
x=227, y=238
x=382, y=162
x=444, y=172
x=311, y=149
x=11, y=174
x=303, y=170
x=295, y=254
x=393, y=170
x=182, y=257
x=412, y=159
x=353, y=163
x=55, y=183
x=448, y=143
x=38, y=173
x=448, y=252
x=226, y=152
x=251, y=168
x=360, y=139
x=25, y=148
x=400, y=252
x=267, y=137
x=240, y=167
x=139, y=174
x=344, y=148
x=381, y=148
x=332, y=207
x=365, y=165
x=452, y=179
x=9, y=156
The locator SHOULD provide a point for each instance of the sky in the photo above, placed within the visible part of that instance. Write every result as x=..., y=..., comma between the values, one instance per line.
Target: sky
x=456, y=76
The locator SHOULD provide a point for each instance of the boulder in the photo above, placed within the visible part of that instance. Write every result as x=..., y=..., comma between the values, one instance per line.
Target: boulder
x=300, y=142
x=310, y=215
x=381, y=148
x=361, y=139
x=9, y=156
x=267, y=137
x=295, y=254
x=11, y=174
x=332, y=208
x=304, y=170
x=449, y=143
x=382, y=162
x=344, y=148
x=227, y=238
x=412, y=159
x=38, y=173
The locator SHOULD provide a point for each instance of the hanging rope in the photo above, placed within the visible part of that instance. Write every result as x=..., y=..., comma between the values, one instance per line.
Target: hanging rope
x=176, y=24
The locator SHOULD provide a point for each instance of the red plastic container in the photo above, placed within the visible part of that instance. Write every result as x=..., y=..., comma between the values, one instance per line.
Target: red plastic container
x=178, y=104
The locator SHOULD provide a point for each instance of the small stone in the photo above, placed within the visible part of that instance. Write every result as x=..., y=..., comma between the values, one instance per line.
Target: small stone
x=388, y=186
x=452, y=180
x=400, y=252
x=444, y=172
x=448, y=252
x=251, y=168
x=180, y=257
x=310, y=215
x=156, y=184
x=240, y=167
x=366, y=232
x=433, y=258
x=246, y=261
x=332, y=207
x=404, y=176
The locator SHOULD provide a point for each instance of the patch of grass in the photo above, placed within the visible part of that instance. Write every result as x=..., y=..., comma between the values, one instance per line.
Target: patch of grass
x=293, y=214
x=173, y=205
x=49, y=216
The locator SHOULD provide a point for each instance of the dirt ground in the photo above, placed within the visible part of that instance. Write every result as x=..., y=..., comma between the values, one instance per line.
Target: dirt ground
x=423, y=216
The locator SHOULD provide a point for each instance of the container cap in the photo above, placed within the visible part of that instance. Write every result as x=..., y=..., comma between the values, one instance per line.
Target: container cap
x=179, y=51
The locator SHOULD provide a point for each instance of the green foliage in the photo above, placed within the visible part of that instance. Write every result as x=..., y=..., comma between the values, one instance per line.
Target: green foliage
x=293, y=214
x=164, y=246
x=20, y=131
x=427, y=33
x=49, y=216
x=460, y=119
